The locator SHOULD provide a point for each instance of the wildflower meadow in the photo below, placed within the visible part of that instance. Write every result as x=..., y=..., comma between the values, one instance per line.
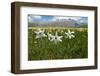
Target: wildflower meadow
x=57, y=43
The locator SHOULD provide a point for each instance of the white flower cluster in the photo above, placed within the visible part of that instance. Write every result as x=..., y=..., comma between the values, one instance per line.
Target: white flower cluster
x=53, y=38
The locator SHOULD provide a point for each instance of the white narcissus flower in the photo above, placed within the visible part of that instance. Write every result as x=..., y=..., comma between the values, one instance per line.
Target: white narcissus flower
x=70, y=34
x=40, y=33
x=55, y=38
x=49, y=36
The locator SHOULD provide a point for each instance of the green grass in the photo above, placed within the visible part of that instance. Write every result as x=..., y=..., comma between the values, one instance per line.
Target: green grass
x=43, y=49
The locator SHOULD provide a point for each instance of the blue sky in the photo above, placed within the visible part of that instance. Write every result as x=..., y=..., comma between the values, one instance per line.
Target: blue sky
x=46, y=18
x=54, y=18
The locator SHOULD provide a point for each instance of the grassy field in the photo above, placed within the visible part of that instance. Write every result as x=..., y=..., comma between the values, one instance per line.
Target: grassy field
x=44, y=49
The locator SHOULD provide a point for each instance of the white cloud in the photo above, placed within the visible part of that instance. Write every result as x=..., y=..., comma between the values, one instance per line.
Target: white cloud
x=38, y=17
x=58, y=18
x=66, y=18
x=74, y=18
x=30, y=19
x=62, y=18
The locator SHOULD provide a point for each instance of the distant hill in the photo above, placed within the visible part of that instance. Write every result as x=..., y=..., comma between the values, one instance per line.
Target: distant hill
x=58, y=23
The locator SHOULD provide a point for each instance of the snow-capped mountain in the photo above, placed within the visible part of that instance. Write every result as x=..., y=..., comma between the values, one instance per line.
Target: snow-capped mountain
x=59, y=23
